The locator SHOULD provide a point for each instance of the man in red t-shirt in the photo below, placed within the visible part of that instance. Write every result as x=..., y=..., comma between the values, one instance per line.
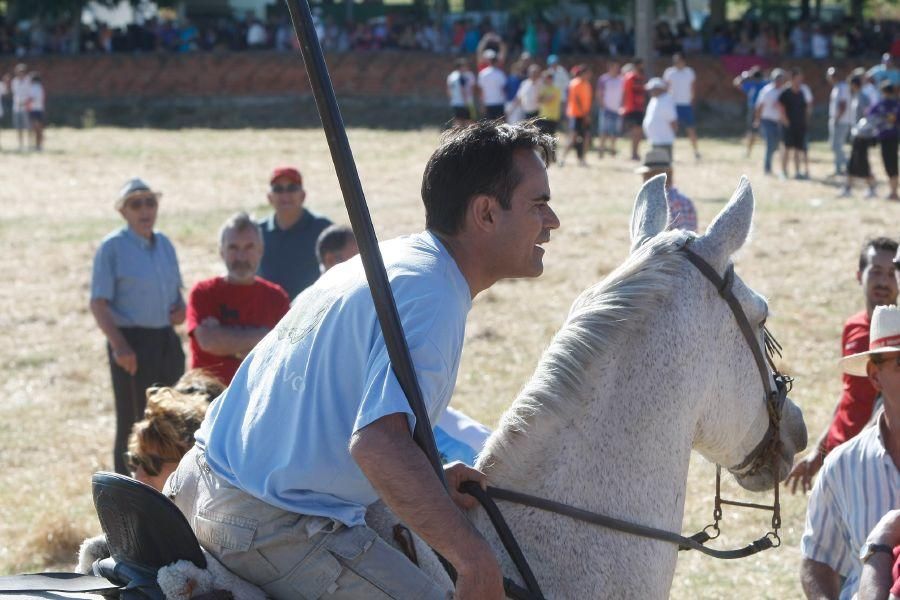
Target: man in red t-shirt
x=227, y=316
x=879, y=285
x=634, y=103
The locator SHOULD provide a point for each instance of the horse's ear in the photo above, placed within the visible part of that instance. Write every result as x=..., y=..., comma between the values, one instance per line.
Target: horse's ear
x=728, y=231
x=651, y=211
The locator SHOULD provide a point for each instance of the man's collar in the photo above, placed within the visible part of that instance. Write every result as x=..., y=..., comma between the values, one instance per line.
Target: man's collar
x=299, y=223
x=140, y=240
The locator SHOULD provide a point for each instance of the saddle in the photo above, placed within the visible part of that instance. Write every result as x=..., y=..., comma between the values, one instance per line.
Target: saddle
x=144, y=530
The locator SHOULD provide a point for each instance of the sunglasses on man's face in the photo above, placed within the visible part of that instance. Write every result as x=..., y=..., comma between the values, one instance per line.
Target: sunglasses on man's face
x=889, y=360
x=139, y=203
x=290, y=187
x=151, y=463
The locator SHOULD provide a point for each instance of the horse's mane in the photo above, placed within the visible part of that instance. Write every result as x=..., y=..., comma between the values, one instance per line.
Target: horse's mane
x=598, y=319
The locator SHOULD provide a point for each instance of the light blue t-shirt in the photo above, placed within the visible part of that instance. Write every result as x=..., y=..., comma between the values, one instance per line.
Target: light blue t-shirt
x=459, y=437
x=138, y=277
x=280, y=431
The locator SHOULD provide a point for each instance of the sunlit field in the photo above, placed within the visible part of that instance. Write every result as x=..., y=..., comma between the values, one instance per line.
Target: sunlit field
x=56, y=415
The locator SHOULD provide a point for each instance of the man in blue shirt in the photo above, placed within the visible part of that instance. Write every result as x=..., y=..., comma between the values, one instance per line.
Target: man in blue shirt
x=315, y=427
x=136, y=299
x=750, y=82
x=290, y=234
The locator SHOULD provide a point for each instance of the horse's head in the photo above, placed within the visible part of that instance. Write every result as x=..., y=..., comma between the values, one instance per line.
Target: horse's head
x=733, y=421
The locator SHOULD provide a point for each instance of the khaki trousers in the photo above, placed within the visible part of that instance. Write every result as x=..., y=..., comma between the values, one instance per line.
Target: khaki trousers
x=290, y=555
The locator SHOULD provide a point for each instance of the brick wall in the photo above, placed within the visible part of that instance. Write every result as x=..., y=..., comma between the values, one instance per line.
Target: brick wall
x=398, y=78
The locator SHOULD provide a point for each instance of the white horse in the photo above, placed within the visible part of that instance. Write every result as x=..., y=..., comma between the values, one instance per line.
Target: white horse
x=649, y=365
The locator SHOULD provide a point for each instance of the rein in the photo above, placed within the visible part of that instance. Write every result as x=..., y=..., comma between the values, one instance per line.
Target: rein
x=763, y=454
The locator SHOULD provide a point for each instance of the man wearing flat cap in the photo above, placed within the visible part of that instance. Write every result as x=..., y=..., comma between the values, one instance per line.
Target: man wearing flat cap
x=860, y=480
x=136, y=300
x=290, y=234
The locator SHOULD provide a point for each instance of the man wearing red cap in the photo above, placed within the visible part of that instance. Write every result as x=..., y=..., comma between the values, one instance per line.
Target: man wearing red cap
x=290, y=234
x=854, y=409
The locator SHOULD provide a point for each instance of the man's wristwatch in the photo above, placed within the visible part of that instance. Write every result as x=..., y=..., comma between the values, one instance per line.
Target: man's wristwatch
x=868, y=550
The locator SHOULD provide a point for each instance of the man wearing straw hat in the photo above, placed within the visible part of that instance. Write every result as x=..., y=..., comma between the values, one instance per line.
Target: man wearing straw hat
x=860, y=480
x=136, y=299
x=876, y=277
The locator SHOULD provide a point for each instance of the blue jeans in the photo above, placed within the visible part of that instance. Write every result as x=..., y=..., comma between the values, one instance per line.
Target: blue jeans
x=837, y=135
x=771, y=131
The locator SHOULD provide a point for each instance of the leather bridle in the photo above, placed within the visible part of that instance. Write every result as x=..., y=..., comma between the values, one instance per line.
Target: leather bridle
x=766, y=453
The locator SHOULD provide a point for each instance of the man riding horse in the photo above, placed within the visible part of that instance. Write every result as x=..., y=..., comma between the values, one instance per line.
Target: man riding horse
x=315, y=427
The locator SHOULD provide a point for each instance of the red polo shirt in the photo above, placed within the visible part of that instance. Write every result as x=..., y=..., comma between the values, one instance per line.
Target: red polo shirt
x=858, y=396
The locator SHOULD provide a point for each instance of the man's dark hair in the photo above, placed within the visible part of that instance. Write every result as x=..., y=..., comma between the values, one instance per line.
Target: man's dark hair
x=332, y=239
x=474, y=160
x=879, y=244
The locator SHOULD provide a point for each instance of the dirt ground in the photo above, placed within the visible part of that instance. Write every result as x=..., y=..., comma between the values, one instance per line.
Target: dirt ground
x=56, y=419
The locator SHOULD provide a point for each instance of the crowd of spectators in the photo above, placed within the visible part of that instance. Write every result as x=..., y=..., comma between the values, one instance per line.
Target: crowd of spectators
x=538, y=37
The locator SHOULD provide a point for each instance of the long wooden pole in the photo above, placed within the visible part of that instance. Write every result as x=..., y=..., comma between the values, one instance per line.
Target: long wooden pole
x=361, y=221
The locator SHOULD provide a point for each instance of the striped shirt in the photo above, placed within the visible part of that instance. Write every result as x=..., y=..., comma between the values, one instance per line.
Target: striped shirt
x=684, y=215
x=858, y=484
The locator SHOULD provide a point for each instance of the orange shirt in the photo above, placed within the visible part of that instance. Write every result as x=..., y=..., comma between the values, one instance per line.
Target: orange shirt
x=580, y=98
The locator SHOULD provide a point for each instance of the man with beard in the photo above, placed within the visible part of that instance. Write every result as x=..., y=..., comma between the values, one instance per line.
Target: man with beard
x=227, y=316
x=854, y=410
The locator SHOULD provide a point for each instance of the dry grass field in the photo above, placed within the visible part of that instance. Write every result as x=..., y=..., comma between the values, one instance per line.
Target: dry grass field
x=56, y=419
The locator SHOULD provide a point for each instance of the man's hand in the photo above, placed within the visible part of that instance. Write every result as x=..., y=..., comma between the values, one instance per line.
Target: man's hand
x=405, y=481
x=177, y=314
x=458, y=473
x=804, y=471
x=125, y=358
x=876, y=579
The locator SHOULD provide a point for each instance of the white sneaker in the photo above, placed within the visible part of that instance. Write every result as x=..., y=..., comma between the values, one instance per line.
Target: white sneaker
x=844, y=193
x=871, y=194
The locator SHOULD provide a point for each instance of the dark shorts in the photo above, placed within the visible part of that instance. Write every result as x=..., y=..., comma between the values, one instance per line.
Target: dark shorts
x=579, y=125
x=889, y=156
x=36, y=116
x=634, y=119
x=858, y=166
x=795, y=137
x=462, y=113
x=685, y=114
x=494, y=111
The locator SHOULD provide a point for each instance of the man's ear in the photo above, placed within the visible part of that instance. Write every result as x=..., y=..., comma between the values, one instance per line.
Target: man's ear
x=874, y=375
x=481, y=212
x=859, y=277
